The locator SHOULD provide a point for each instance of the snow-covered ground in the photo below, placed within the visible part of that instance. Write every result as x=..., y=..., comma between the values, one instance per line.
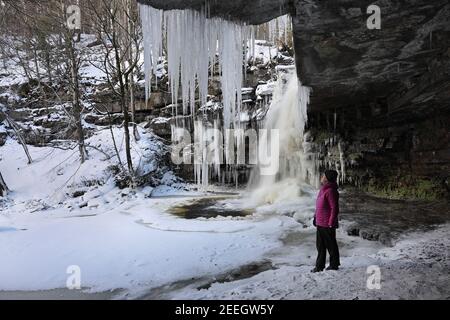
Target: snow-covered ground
x=124, y=239
x=132, y=245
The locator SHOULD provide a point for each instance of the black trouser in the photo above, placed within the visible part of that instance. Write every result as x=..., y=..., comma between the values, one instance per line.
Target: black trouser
x=326, y=240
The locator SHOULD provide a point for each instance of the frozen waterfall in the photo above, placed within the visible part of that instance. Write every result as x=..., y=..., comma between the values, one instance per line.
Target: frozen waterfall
x=196, y=47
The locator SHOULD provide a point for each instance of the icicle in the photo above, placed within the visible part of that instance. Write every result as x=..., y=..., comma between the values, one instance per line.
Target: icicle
x=278, y=28
x=218, y=142
x=342, y=164
x=152, y=21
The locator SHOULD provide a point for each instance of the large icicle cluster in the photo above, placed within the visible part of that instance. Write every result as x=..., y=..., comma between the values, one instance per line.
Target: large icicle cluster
x=193, y=42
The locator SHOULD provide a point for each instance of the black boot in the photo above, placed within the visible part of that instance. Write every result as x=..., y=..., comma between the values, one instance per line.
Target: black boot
x=332, y=268
x=316, y=270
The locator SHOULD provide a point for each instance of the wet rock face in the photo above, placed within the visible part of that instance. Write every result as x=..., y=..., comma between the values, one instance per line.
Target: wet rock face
x=3, y=136
x=384, y=94
x=406, y=61
x=400, y=161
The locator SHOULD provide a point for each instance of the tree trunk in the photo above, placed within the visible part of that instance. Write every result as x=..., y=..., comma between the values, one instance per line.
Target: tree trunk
x=19, y=136
x=130, y=52
x=124, y=106
x=3, y=187
x=48, y=64
x=133, y=107
x=113, y=138
x=36, y=66
x=76, y=106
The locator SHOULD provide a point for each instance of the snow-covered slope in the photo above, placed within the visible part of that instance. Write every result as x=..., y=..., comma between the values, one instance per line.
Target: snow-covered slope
x=57, y=173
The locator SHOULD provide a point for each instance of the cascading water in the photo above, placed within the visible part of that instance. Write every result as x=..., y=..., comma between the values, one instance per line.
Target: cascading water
x=287, y=115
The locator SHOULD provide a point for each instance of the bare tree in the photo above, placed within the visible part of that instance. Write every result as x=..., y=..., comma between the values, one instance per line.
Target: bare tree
x=110, y=126
x=116, y=23
x=46, y=36
x=71, y=36
x=48, y=52
x=132, y=38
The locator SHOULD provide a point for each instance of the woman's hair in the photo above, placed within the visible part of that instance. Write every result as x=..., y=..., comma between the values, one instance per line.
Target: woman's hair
x=331, y=175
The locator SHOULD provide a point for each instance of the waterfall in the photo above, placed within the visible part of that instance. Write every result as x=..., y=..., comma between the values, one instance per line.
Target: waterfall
x=287, y=115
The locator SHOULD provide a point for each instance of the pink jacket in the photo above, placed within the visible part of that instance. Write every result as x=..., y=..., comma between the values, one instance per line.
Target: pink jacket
x=327, y=206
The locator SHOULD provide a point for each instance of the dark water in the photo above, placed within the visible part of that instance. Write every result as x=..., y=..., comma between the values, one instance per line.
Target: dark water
x=208, y=207
x=239, y=273
x=385, y=220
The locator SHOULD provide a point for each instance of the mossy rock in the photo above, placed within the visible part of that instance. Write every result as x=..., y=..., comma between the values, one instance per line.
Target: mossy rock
x=407, y=188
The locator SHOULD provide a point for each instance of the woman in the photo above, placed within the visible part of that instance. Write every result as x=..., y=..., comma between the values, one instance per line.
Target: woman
x=326, y=222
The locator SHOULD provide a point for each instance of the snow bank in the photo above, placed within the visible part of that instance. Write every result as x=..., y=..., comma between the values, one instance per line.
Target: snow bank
x=56, y=174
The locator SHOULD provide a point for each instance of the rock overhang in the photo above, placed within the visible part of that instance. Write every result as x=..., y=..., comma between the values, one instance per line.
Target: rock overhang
x=405, y=62
x=250, y=12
